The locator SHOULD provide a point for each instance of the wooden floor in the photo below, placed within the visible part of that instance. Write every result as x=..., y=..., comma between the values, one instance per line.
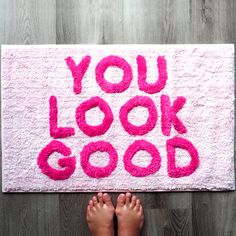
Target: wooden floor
x=110, y=22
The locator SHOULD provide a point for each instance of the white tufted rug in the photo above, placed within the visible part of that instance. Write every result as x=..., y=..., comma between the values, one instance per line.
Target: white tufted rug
x=165, y=123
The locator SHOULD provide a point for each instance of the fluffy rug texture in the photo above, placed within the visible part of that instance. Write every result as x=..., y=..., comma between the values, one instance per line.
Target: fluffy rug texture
x=117, y=117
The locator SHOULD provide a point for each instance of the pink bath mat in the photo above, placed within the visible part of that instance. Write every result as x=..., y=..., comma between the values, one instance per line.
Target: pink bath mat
x=81, y=118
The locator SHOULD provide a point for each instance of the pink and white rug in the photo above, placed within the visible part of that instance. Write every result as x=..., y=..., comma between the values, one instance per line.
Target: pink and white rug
x=117, y=117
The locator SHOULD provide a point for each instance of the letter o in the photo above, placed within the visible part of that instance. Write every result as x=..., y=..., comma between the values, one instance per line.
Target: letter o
x=98, y=172
x=95, y=130
x=137, y=171
x=129, y=105
x=117, y=62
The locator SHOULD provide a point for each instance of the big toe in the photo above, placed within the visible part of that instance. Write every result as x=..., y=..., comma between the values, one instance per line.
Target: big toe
x=121, y=200
x=107, y=199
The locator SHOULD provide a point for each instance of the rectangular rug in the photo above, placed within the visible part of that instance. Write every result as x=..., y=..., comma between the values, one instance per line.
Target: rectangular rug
x=117, y=117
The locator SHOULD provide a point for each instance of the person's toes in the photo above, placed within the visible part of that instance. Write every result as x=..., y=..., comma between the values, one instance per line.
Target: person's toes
x=88, y=209
x=127, y=198
x=133, y=201
x=138, y=204
x=121, y=200
x=91, y=203
x=100, y=199
x=107, y=199
x=95, y=201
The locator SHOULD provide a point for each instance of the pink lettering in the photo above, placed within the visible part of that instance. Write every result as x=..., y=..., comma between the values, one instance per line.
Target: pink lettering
x=173, y=170
x=142, y=75
x=97, y=129
x=68, y=163
x=100, y=146
x=55, y=131
x=168, y=118
x=137, y=171
x=117, y=62
x=78, y=71
x=128, y=106
x=169, y=114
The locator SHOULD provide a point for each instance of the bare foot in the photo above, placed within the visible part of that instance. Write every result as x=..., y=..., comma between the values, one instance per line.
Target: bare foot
x=130, y=215
x=100, y=213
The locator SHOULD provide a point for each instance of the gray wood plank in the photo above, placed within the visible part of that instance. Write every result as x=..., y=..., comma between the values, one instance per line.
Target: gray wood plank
x=79, y=22
x=77, y=26
x=28, y=22
x=72, y=214
x=213, y=213
x=120, y=22
x=167, y=222
x=30, y=214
